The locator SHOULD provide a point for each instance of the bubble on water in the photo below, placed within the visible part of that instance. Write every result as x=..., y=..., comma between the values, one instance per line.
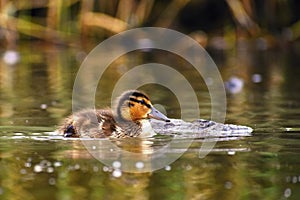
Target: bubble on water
x=45, y=163
x=188, y=167
x=95, y=168
x=231, y=152
x=139, y=165
x=256, y=78
x=234, y=85
x=295, y=179
x=117, y=173
x=145, y=44
x=54, y=103
x=106, y=169
x=168, y=168
x=43, y=106
x=37, y=168
x=288, y=179
x=287, y=192
x=23, y=171
x=11, y=57
x=228, y=185
x=288, y=129
x=116, y=164
x=27, y=164
x=57, y=164
x=209, y=81
x=52, y=181
x=77, y=167
x=50, y=169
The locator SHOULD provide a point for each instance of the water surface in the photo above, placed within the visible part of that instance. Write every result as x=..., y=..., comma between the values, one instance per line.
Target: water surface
x=37, y=164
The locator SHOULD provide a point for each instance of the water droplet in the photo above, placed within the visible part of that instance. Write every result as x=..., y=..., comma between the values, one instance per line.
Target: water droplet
x=234, y=85
x=256, y=78
x=95, y=169
x=57, y=164
x=52, y=181
x=295, y=179
x=228, y=185
x=145, y=44
x=116, y=164
x=139, y=165
x=287, y=192
x=231, y=153
x=117, y=173
x=37, y=168
x=50, y=169
x=188, y=167
x=105, y=168
x=44, y=106
x=94, y=147
x=11, y=57
x=168, y=168
x=27, y=164
x=23, y=171
x=209, y=81
x=77, y=167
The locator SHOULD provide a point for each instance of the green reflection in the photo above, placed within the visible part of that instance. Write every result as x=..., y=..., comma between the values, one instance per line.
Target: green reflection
x=265, y=166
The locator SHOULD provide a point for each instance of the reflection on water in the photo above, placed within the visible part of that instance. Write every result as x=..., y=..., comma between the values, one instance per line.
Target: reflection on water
x=37, y=164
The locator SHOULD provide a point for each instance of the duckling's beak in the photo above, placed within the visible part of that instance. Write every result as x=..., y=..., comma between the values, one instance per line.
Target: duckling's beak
x=155, y=114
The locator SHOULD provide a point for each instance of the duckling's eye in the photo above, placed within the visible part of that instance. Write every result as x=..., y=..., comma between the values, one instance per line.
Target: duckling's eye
x=142, y=102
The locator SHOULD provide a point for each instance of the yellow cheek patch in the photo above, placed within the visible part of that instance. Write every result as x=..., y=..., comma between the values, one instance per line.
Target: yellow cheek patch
x=139, y=112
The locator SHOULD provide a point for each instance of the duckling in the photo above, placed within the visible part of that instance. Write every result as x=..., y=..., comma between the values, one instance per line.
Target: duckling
x=129, y=118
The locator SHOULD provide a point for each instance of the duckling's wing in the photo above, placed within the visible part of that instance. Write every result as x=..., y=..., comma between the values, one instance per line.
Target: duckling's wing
x=107, y=124
x=88, y=123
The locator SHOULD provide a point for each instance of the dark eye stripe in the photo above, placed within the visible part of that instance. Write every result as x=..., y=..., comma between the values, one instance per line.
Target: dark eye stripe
x=140, y=101
x=138, y=94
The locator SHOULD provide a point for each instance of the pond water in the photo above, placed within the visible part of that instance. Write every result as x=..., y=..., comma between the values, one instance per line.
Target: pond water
x=36, y=94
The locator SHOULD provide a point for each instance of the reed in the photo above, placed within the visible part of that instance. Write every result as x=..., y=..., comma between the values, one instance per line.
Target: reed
x=63, y=21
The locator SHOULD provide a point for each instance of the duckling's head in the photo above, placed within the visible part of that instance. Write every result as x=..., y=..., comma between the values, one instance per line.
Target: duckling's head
x=134, y=105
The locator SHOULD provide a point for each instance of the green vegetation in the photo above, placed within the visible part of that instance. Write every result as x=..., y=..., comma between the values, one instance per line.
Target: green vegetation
x=66, y=21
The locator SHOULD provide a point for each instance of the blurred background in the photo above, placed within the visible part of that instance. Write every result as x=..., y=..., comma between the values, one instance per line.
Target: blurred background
x=255, y=45
x=42, y=44
x=220, y=24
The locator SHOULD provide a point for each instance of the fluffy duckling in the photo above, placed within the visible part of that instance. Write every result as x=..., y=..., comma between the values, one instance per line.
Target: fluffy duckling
x=130, y=118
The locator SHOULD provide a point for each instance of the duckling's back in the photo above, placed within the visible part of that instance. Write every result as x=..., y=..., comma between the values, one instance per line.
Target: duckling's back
x=89, y=123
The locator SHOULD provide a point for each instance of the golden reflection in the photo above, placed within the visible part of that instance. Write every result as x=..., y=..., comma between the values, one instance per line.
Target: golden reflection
x=7, y=76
